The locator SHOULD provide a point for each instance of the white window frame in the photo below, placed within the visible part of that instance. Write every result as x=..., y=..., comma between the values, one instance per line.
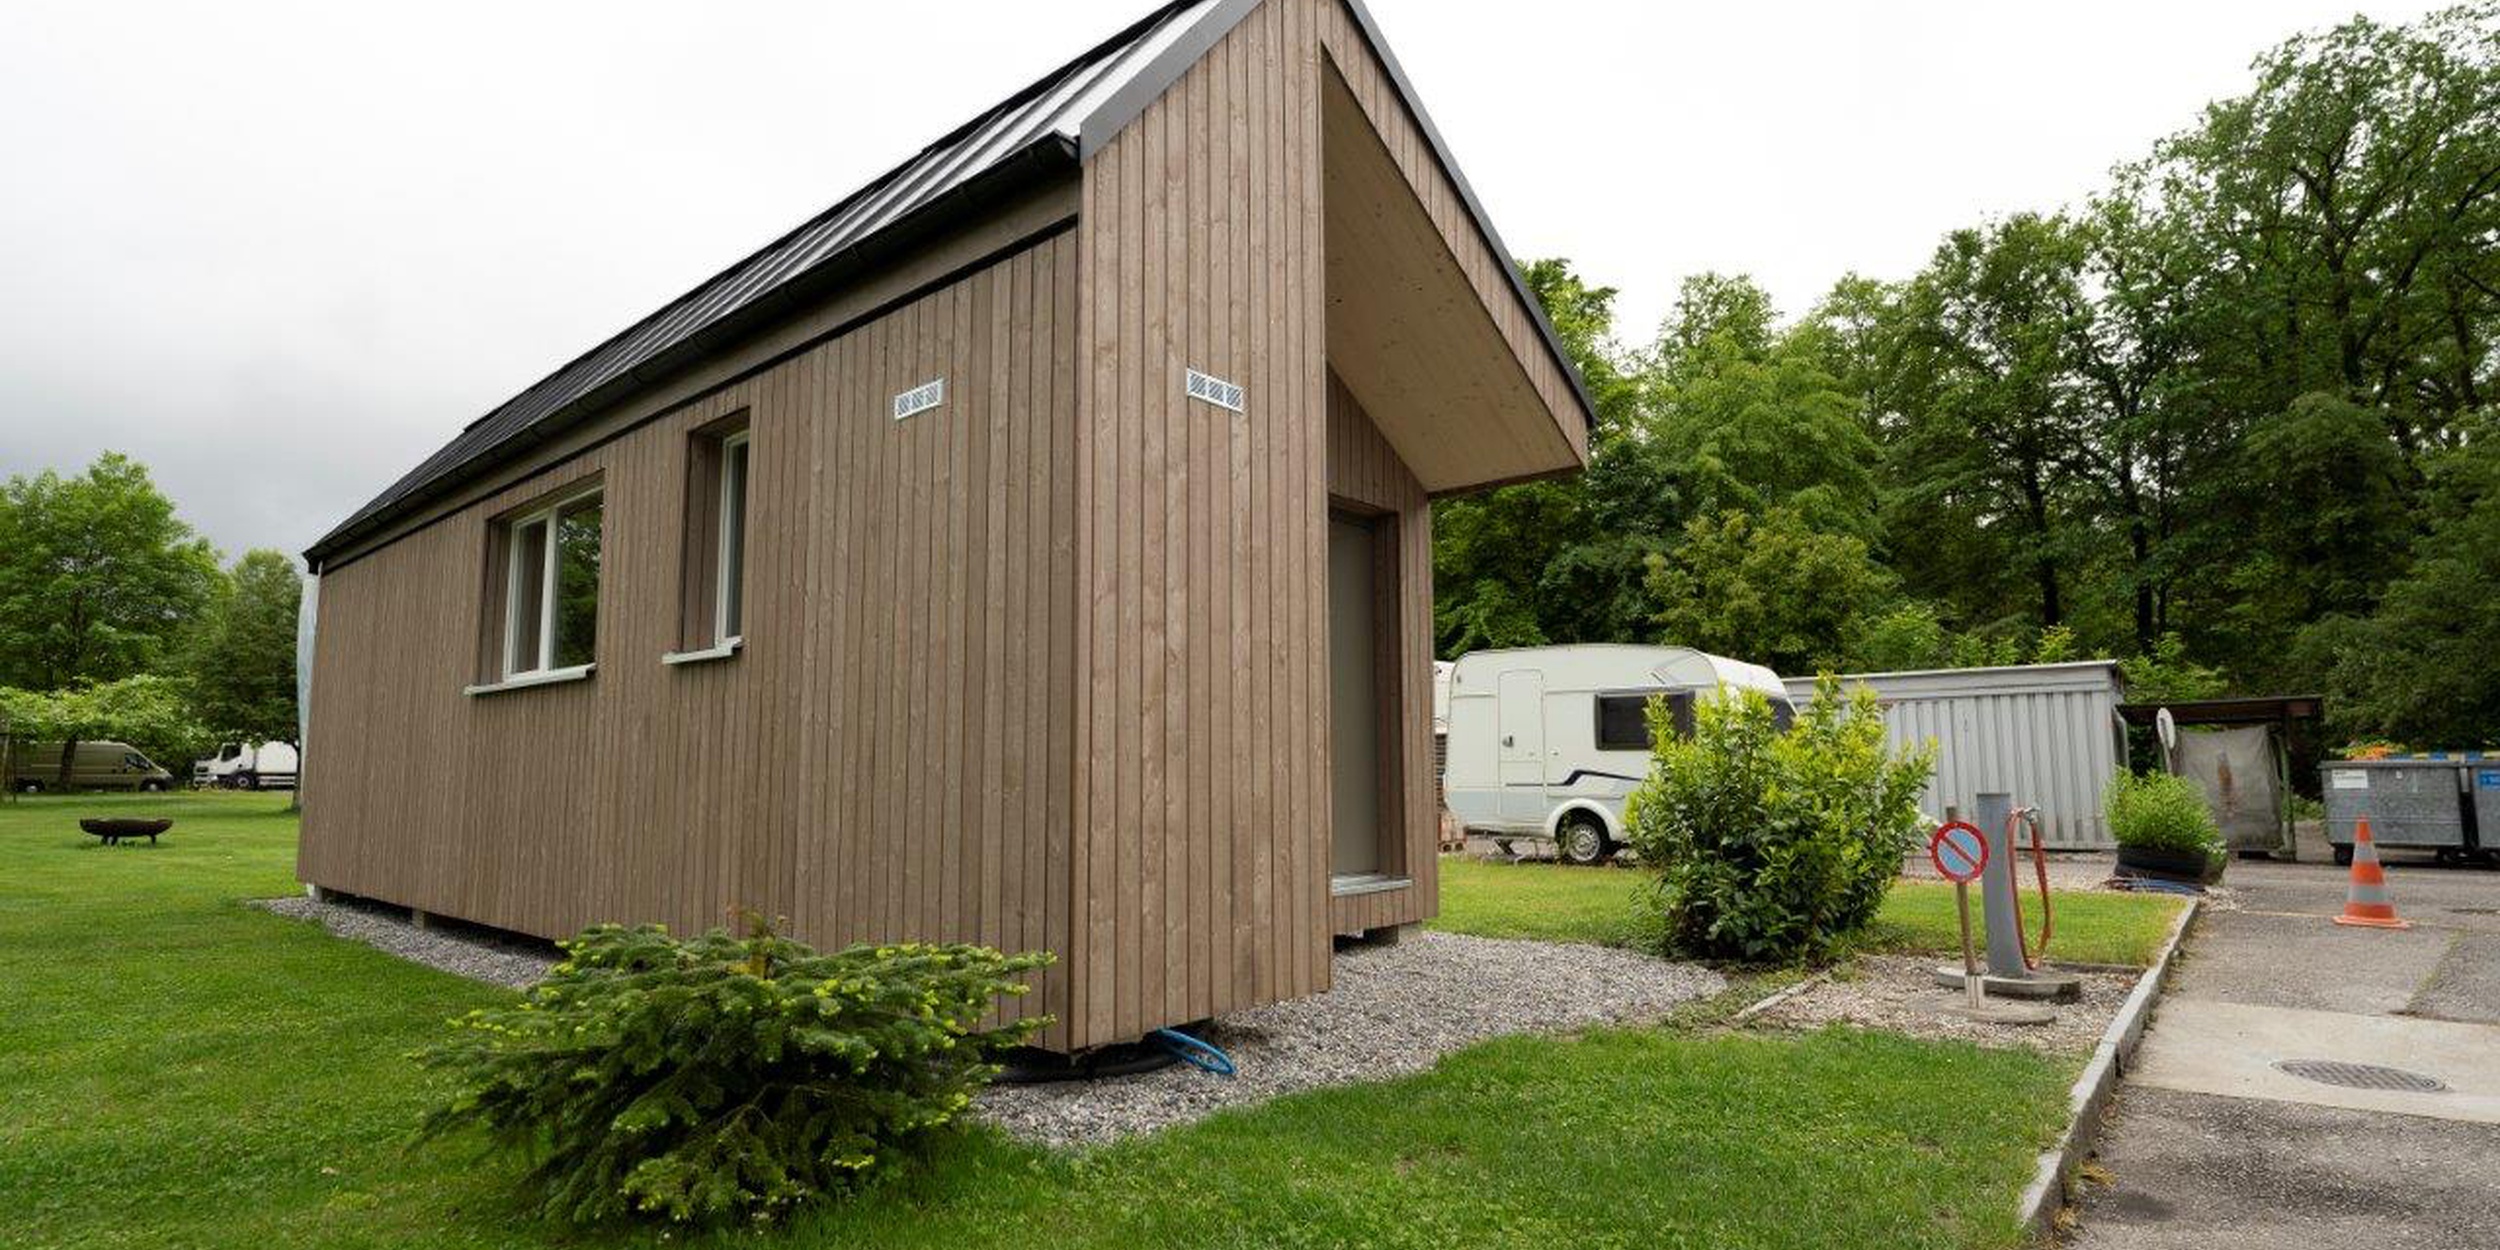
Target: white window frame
x=721, y=588
x=543, y=664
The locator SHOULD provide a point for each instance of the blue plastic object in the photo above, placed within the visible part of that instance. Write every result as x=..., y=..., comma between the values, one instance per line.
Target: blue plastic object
x=1196, y=1052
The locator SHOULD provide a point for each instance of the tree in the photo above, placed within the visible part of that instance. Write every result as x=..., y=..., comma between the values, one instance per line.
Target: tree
x=149, y=712
x=2418, y=668
x=1747, y=418
x=242, y=663
x=1987, y=441
x=1771, y=589
x=98, y=577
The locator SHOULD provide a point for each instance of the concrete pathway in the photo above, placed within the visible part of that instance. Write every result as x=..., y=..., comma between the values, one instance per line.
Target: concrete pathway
x=2215, y=1146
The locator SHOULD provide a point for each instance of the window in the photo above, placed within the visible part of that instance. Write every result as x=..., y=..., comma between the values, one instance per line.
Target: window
x=712, y=617
x=730, y=602
x=1623, y=719
x=551, y=587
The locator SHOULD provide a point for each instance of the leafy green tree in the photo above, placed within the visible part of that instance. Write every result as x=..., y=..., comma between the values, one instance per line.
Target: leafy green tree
x=1772, y=590
x=1747, y=418
x=98, y=577
x=150, y=712
x=1987, y=439
x=2418, y=668
x=242, y=664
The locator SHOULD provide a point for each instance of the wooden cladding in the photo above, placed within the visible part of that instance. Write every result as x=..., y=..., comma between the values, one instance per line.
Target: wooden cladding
x=1365, y=473
x=890, y=756
x=1043, y=666
x=1201, y=825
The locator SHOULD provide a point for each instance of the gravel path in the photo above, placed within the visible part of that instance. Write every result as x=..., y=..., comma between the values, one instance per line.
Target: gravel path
x=1395, y=1009
x=1899, y=993
x=471, y=953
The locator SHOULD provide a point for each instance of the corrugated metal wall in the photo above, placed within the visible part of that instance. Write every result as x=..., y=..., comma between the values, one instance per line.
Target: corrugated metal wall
x=2053, y=745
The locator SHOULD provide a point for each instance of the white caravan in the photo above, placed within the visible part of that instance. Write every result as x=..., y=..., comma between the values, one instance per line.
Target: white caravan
x=1546, y=742
x=248, y=766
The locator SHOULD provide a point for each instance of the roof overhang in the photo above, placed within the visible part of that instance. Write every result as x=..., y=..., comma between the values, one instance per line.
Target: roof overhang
x=1411, y=335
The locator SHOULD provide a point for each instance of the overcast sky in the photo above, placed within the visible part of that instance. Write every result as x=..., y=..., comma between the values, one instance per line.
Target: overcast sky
x=280, y=252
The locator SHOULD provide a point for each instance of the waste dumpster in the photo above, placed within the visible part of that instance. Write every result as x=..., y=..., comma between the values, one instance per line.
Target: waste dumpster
x=2416, y=804
x=2485, y=779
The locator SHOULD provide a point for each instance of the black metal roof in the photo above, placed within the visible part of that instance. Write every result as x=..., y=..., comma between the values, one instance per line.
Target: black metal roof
x=1067, y=113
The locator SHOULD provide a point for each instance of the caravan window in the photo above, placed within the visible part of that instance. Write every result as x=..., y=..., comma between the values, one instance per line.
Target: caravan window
x=1623, y=719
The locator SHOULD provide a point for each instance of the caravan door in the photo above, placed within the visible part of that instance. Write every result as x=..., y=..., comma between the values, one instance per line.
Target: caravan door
x=1521, y=741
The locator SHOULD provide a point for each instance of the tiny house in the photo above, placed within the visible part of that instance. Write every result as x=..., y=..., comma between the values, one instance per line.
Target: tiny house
x=1033, y=549
x=1545, y=743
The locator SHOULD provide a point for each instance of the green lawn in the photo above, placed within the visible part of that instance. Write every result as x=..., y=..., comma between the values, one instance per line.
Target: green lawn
x=1566, y=904
x=178, y=1069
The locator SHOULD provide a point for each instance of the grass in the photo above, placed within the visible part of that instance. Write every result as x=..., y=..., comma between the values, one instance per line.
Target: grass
x=1598, y=905
x=177, y=1068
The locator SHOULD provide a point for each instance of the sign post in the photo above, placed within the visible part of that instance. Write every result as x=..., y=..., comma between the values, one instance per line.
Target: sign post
x=1960, y=853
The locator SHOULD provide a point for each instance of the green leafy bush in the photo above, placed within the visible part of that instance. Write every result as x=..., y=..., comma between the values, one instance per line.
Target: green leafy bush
x=724, y=1076
x=2161, y=812
x=1774, y=846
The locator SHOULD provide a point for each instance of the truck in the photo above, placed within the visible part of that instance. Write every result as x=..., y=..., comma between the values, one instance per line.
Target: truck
x=247, y=766
x=1545, y=743
x=36, y=766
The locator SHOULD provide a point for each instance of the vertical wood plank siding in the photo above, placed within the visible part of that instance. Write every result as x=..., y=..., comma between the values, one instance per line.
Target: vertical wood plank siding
x=1201, y=876
x=1364, y=470
x=889, y=755
x=1045, y=667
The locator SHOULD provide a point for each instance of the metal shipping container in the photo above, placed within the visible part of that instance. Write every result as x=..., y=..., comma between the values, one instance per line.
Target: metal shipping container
x=2048, y=734
x=2483, y=778
x=2410, y=803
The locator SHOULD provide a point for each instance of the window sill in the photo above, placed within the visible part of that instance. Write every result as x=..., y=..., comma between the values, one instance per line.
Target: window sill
x=720, y=652
x=1365, y=883
x=523, y=681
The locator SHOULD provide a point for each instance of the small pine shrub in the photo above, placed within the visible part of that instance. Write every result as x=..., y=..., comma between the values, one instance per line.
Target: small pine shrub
x=724, y=1077
x=1774, y=847
x=2161, y=812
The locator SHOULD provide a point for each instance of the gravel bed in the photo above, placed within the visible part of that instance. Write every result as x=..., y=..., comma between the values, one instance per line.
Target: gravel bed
x=1395, y=1009
x=478, y=954
x=1899, y=993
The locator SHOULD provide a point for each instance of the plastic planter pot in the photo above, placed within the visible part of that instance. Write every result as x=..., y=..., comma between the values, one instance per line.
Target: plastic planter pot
x=2145, y=861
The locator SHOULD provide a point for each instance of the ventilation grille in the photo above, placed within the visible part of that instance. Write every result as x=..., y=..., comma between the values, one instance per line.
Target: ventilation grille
x=1215, y=391
x=920, y=399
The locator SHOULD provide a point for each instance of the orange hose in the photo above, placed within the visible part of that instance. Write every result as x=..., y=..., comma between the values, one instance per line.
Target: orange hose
x=2040, y=864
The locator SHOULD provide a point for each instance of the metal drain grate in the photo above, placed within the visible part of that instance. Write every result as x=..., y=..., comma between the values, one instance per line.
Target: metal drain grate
x=2360, y=1075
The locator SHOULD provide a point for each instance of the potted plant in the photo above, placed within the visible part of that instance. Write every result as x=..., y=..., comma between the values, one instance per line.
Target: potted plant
x=2163, y=828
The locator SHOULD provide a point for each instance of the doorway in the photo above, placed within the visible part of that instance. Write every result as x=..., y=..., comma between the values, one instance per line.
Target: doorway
x=1360, y=580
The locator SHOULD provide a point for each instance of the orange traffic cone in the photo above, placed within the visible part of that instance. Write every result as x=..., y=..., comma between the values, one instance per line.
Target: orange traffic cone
x=2367, y=903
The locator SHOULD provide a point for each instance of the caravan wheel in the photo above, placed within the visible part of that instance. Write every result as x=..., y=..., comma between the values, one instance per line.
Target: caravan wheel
x=1582, y=839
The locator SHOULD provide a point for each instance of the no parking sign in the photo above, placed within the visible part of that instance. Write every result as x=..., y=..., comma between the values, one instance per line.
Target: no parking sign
x=1959, y=851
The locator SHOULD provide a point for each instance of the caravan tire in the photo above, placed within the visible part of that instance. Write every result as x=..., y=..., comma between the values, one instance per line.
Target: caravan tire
x=1581, y=839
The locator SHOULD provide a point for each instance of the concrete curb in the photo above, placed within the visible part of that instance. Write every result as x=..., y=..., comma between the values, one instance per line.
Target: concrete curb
x=2088, y=1102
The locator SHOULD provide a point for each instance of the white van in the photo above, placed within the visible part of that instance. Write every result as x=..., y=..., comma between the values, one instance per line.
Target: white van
x=247, y=766
x=1546, y=742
